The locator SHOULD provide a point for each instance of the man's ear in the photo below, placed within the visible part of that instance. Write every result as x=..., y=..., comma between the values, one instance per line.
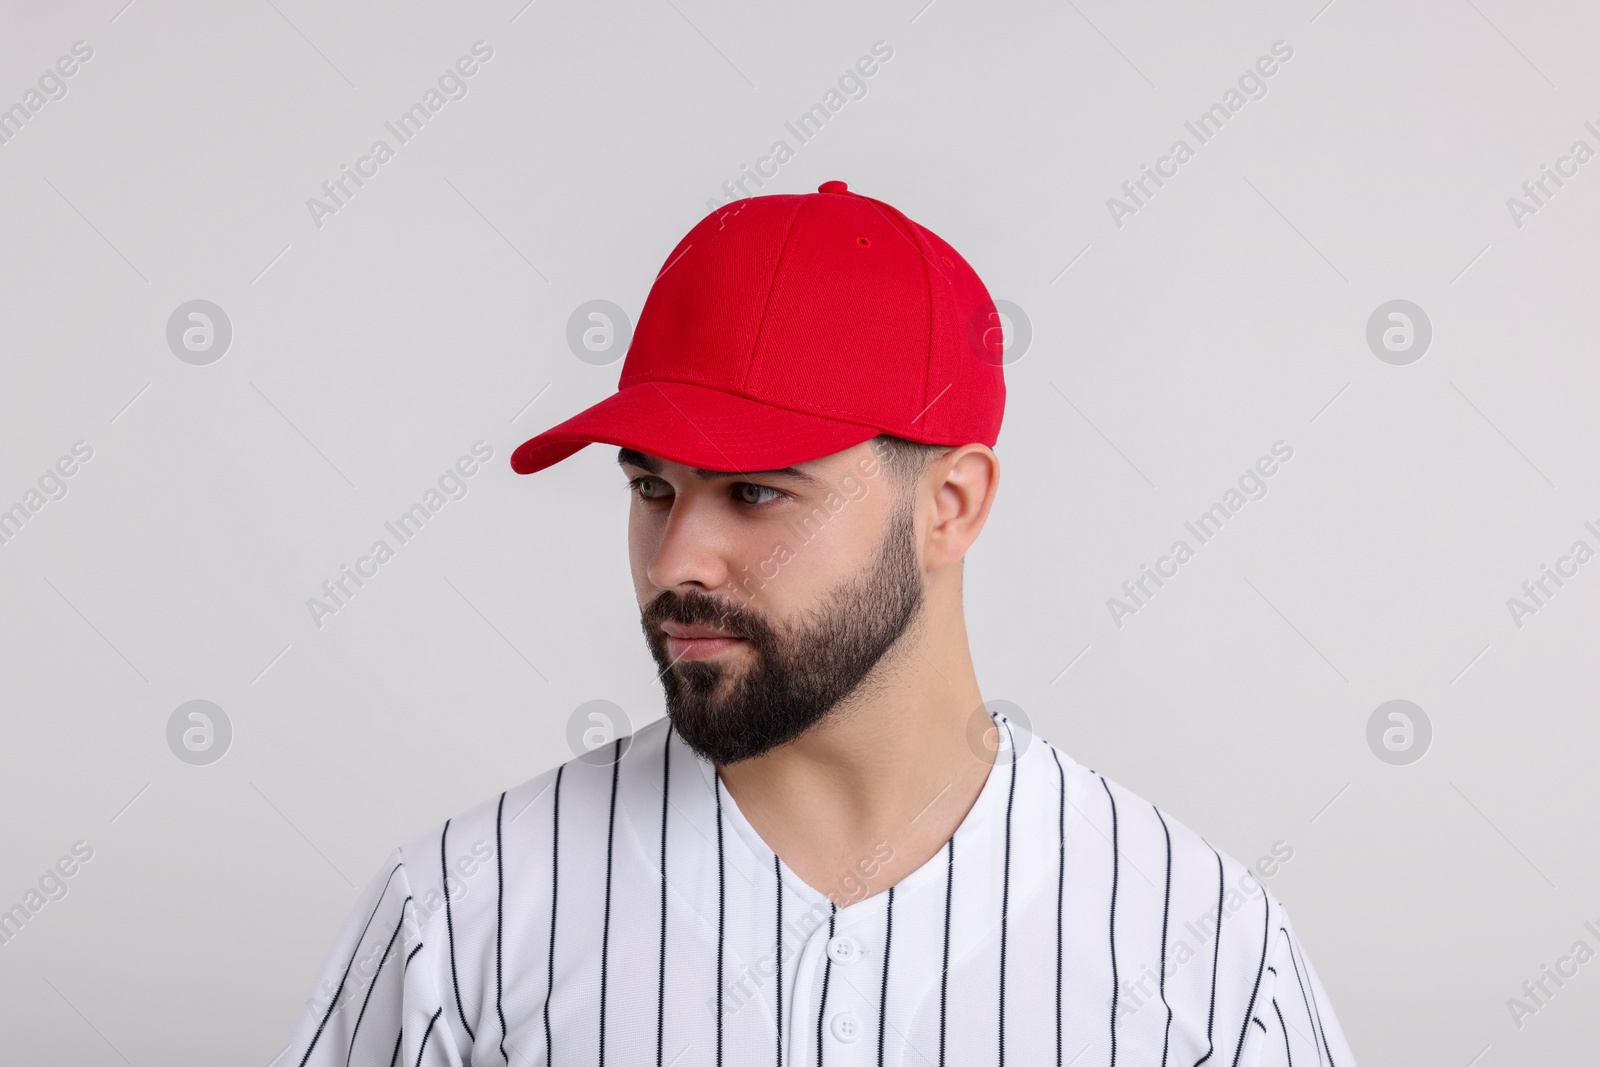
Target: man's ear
x=963, y=484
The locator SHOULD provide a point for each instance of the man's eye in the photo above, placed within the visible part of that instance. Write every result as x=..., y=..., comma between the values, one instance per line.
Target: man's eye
x=641, y=487
x=750, y=493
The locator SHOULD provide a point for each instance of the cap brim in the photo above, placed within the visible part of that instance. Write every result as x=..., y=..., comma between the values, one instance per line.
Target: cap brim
x=693, y=425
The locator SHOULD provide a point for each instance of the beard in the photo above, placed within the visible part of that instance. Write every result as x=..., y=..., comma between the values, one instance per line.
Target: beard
x=728, y=713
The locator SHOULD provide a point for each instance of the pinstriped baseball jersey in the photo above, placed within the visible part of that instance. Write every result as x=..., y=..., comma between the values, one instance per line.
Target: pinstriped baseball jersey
x=622, y=911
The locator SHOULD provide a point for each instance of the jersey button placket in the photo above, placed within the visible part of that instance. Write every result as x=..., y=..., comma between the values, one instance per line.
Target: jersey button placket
x=849, y=1014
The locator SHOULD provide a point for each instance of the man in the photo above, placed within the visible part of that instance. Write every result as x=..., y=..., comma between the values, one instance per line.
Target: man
x=830, y=851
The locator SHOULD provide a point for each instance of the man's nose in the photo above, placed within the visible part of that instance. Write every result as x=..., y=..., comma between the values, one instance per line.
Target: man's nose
x=693, y=549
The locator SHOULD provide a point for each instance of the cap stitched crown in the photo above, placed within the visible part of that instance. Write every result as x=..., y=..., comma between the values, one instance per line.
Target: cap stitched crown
x=833, y=304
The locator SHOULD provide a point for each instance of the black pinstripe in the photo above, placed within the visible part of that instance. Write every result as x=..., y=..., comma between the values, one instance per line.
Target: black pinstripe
x=1166, y=907
x=1266, y=934
x=883, y=991
x=428, y=1033
x=1115, y=862
x=1061, y=890
x=944, y=971
x=449, y=925
x=1287, y=1055
x=1005, y=889
x=1312, y=1001
x=661, y=988
x=555, y=884
x=722, y=894
x=356, y=1030
x=1305, y=1000
x=827, y=971
x=605, y=928
x=334, y=1001
x=499, y=925
x=777, y=874
x=394, y=1058
x=1216, y=950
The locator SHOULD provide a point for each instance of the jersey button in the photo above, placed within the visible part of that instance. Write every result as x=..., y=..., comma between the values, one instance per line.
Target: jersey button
x=845, y=1027
x=843, y=949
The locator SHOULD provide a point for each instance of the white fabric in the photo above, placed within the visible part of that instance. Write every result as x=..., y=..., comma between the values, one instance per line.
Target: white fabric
x=416, y=978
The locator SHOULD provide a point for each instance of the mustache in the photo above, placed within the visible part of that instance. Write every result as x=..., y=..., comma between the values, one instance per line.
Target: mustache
x=702, y=609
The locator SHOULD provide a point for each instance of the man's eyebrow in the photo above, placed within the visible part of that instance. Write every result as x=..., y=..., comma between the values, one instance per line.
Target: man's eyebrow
x=634, y=458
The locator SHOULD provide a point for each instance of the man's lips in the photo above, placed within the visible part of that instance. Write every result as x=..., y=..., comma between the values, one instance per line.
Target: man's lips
x=697, y=642
x=678, y=629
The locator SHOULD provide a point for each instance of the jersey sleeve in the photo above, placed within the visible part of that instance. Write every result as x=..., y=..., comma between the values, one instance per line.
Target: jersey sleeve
x=1292, y=1020
x=375, y=1002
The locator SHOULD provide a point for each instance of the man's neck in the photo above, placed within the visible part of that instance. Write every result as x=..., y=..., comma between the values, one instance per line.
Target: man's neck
x=875, y=790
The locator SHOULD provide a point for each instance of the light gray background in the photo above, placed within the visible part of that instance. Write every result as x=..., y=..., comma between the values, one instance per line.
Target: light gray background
x=1167, y=355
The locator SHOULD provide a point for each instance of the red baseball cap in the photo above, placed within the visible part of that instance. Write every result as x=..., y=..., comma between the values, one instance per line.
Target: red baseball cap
x=784, y=328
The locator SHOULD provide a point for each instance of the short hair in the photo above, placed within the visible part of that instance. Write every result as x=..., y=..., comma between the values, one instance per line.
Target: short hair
x=905, y=460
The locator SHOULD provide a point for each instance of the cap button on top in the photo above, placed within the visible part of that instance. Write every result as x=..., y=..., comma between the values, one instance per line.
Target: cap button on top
x=833, y=187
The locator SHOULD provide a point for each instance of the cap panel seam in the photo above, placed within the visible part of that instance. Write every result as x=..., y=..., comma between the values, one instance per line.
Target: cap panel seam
x=915, y=232
x=927, y=362
x=933, y=315
x=766, y=304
